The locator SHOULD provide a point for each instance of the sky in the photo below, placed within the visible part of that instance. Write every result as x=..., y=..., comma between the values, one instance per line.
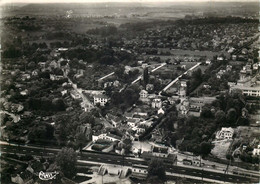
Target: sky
x=91, y=1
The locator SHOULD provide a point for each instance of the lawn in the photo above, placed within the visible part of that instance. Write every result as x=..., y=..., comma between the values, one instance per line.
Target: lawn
x=221, y=148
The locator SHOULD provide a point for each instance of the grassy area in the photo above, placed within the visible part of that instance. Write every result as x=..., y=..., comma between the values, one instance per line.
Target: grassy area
x=220, y=149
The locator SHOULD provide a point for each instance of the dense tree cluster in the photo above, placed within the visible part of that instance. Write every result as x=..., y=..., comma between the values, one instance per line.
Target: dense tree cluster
x=66, y=161
x=156, y=168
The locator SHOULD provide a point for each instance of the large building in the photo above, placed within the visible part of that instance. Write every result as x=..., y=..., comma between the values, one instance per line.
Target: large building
x=249, y=87
x=225, y=133
x=101, y=99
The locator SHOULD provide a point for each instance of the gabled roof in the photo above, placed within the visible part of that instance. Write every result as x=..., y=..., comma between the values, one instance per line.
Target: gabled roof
x=114, y=136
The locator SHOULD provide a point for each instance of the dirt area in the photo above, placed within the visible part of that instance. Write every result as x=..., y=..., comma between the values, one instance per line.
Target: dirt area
x=221, y=148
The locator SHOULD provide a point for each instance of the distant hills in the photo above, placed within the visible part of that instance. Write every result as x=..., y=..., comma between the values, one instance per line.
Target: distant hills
x=104, y=9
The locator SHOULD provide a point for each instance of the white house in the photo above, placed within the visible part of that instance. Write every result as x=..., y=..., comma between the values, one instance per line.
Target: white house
x=160, y=111
x=106, y=136
x=160, y=151
x=184, y=107
x=143, y=94
x=225, y=133
x=157, y=103
x=139, y=171
x=256, y=151
x=74, y=94
x=131, y=122
x=208, y=62
x=101, y=99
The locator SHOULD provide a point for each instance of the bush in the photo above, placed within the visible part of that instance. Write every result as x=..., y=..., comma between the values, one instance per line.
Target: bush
x=98, y=147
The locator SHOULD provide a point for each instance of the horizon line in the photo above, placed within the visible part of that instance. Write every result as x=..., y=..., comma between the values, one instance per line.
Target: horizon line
x=116, y=1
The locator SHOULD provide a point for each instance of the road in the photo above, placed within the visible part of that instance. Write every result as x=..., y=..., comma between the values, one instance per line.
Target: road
x=79, y=91
x=102, y=78
x=176, y=80
x=153, y=70
x=104, y=158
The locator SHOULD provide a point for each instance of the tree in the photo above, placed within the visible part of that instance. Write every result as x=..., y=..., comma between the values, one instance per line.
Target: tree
x=156, y=168
x=41, y=133
x=220, y=117
x=66, y=161
x=206, y=112
x=146, y=77
x=81, y=140
x=205, y=148
x=231, y=116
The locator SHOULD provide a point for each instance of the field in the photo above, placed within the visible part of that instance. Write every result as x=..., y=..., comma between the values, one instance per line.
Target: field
x=247, y=133
x=182, y=53
x=220, y=149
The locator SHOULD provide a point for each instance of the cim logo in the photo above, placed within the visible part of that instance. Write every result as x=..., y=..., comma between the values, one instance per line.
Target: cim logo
x=47, y=175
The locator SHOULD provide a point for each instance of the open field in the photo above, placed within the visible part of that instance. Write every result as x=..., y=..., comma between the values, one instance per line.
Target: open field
x=220, y=149
x=181, y=53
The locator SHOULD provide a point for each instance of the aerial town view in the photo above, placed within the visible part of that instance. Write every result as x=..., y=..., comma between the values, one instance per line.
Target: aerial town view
x=129, y=92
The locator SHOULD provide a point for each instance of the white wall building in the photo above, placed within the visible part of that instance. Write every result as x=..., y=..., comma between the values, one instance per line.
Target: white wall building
x=225, y=133
x=101, y=99
x=256, y=151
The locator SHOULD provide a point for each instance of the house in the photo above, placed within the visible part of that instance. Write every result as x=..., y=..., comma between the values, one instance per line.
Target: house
x=113, y=137
x=160, y=111
x=132, y=122
x=172, y=99
x=100, y=99
x=54, y=77
x=160, y=151
x=220, y=58
x=22, y=178
x=206, y=86
x=116, y=83
x=114, y=120
x=184, y=107
x=113, y=170
x=183, y=83
x=24, y=92
x=156, y=135
x=140, y=62
x=108, y=84
x=139, y=171
x=183, y=67
x=106, y=136
x=228, y=68
x=53, y=64
x=75, y=95
x=42, y=65
x=255, y=66
x=129, y=115
x=143, y=95
x=208, y=62
x=248, y=89
x=149, y=87
x=157, y=103
x=25, y=76
x=256, y=151
x=35, y=72
x=225, y=133
x=64, y=92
